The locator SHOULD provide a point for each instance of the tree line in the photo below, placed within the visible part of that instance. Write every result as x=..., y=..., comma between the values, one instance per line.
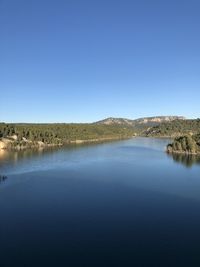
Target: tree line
x=59, y=133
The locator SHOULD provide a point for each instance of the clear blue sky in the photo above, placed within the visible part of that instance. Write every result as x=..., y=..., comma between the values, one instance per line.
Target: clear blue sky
x=70, y=60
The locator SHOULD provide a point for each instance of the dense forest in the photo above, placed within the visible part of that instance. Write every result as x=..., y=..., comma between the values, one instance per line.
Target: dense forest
x=185, y=144
x=174, y=128
x=23, y=135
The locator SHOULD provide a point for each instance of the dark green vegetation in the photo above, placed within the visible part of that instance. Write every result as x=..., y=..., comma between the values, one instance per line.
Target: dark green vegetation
x=185, y=144
x=185, y=132
x=33, y=135
x=28, y=135
x=174, y=128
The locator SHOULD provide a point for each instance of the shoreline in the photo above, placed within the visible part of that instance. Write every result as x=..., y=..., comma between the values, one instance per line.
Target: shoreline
x=186, y=153
x=7, y=147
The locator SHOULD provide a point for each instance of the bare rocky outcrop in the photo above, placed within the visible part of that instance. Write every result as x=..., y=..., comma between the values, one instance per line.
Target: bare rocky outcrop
x=140, y=121
x=160, y=119
x=5, y=143
x=2, y=145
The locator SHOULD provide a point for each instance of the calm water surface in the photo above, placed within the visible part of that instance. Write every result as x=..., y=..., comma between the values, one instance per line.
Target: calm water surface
x=125, y=203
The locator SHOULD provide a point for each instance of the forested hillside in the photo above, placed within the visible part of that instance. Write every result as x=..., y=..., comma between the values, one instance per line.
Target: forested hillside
x=30, y=134
x=174, y=128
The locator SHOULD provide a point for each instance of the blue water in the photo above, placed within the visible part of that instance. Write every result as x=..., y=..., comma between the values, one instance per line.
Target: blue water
x=124, y=203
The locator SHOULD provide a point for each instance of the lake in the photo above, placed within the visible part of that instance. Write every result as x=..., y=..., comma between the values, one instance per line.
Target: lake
x=123, y=203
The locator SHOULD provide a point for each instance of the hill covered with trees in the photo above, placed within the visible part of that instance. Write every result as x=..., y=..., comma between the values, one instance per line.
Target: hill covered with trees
x=23, y=135
x=174, y=128
x=31, y=135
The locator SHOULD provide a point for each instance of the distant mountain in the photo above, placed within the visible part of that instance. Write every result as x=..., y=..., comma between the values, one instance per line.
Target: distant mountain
x=119, y=121
x=147, y=121
x=159, y=119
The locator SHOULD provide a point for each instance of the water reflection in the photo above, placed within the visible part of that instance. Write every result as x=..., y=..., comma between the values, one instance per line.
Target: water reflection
x=14, y=156
x=135, y=150
x=3, y=153
x=32, y=159
x=186, y=160
x=11, y=158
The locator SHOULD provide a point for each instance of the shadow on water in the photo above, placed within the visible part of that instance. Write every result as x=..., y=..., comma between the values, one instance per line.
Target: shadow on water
x=186, y=160
x=3, y=178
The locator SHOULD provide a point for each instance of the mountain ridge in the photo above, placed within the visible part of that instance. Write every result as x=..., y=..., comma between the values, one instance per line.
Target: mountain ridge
x=151, y=121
